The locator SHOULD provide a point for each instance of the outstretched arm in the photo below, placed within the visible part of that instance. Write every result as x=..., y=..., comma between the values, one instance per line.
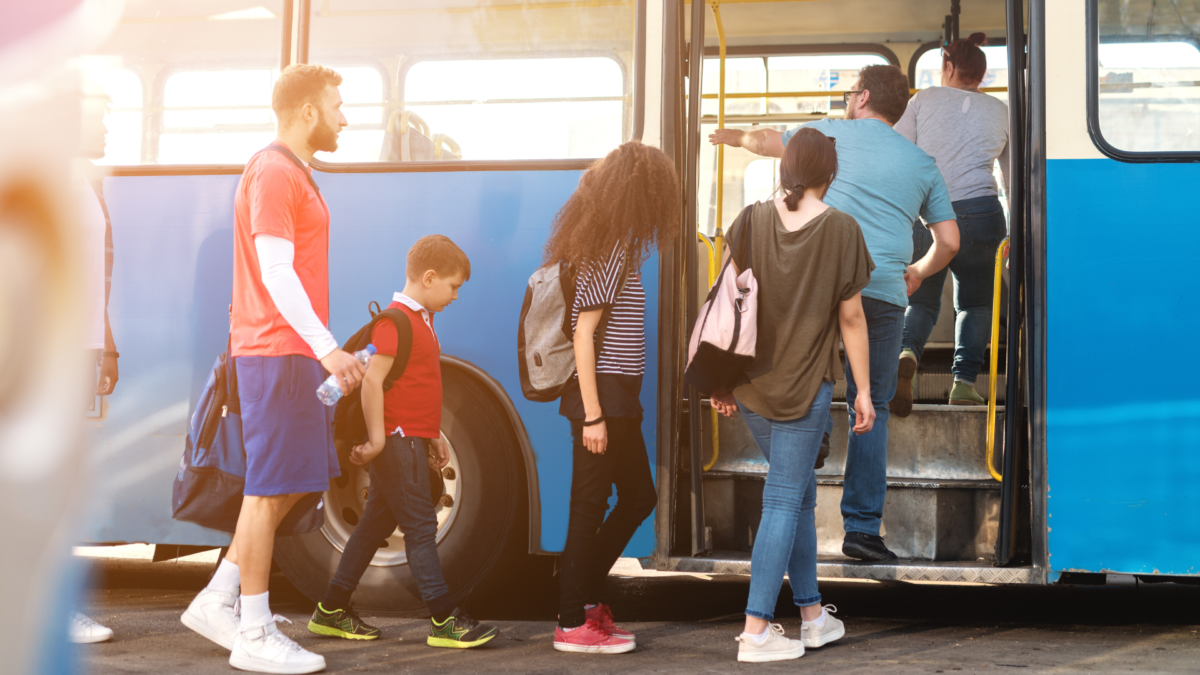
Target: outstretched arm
x=765, y=142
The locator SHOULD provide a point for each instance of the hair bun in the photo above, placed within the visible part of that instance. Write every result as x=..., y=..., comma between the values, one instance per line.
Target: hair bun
x=978, y=38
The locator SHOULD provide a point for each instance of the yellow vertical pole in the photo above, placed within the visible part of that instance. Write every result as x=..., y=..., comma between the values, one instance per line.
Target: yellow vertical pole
x=995, y=365
x=718, y=240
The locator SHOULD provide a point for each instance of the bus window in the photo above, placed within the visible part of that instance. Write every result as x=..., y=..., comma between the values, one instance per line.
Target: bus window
x=484, y=80
x=190, y=81
x=749, y=178
x=1150, y=95
x=363, y=104
x=124, y=119
x=928, y=72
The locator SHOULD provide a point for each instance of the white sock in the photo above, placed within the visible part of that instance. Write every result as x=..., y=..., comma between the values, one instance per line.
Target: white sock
x=227, y=578
x=569, y=630
x=761, y=637
x=255, y=609
x=817, y=622
x=589, y=606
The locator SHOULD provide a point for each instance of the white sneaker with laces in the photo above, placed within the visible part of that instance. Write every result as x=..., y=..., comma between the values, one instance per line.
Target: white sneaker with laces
x=85, y=631
x=818, y=636
x=775, y=648
x=261, y=648
x=214, y=614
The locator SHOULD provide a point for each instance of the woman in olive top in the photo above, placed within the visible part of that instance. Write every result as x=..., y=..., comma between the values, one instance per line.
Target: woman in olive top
x=811, y=263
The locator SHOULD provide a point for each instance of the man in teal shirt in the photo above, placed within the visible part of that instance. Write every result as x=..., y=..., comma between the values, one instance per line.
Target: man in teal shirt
x=885, y=182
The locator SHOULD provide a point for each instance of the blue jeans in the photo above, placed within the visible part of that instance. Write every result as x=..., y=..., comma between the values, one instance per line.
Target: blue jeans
x=787, y=534
x=399, y=495
x=981, y=228
x=865, y=485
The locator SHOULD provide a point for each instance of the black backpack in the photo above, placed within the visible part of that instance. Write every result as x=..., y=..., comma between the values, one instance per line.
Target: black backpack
x=349, y=422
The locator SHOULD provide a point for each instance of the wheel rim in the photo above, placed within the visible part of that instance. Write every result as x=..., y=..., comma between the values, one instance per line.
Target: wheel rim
x=345, y=501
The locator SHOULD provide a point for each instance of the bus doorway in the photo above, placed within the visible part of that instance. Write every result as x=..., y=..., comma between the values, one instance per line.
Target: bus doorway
x=958, y=499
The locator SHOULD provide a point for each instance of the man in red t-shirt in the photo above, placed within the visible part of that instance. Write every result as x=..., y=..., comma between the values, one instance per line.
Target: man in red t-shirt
x=282, y=350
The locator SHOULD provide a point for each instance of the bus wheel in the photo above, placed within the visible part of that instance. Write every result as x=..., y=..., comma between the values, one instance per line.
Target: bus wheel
x=478, y=499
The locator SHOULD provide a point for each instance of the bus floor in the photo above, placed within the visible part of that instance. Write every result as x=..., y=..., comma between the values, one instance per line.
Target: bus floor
x=686, y=623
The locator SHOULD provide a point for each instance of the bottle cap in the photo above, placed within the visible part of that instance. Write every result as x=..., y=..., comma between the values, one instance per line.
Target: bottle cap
x=371, y=350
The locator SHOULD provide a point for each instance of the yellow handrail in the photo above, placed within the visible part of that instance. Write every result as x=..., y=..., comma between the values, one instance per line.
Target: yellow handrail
x=995, y=364
x=714, y=253
x=820, y=92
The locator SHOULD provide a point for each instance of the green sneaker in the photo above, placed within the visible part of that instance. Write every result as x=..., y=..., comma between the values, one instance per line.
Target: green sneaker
x=459, y=631
x=902, y=401
x=343, y=623
x=964, y=393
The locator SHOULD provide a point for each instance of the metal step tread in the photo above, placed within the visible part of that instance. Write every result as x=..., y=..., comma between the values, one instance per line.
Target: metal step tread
x=837, y=567
x=909, y=483
x=932, y=407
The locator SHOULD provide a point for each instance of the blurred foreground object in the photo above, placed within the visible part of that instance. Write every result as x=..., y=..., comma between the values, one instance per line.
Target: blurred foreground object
x=43, y=371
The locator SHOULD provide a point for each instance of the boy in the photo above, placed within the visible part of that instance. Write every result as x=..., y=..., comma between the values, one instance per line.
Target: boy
x=403, y=428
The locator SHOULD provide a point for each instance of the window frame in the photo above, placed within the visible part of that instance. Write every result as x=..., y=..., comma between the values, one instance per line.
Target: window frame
x=1093, y=95
x=930, y=46
x=635, y=76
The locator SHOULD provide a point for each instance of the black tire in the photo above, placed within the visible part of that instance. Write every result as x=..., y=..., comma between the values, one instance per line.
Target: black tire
x=488, y=532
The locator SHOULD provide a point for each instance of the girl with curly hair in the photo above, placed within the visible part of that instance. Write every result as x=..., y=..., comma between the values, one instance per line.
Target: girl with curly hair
x=627, y=204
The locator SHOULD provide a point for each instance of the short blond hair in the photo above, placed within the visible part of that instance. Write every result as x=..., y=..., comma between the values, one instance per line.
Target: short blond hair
x=301, y=83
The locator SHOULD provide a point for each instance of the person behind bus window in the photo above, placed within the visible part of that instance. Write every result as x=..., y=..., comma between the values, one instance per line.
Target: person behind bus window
x=282, y=349
x=625, y=206
x=966, y=131
x=811, y=264
x=884, y=182
x=97, y=250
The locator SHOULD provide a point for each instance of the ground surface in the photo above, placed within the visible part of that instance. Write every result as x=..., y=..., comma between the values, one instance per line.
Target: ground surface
x=686, y=624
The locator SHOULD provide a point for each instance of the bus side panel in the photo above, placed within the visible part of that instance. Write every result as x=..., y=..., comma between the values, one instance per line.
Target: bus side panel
x=172, y=284
x=172, y=275
x=1123, y=416
x=501, y=221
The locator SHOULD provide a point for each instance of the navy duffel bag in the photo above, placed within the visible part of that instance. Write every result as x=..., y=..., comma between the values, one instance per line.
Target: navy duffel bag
x=212, y=472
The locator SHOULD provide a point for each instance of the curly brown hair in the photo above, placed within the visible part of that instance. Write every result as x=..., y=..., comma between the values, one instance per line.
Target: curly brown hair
x=630, y=197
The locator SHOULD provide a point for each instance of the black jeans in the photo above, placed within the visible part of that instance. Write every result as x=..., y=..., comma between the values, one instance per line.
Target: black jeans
x=398, y=495
x=594, y=542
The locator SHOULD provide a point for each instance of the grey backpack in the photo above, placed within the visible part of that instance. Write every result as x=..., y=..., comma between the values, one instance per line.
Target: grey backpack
x=545, y=339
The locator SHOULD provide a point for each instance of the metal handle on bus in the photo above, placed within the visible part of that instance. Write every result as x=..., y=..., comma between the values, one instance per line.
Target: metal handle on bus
x=713, y=247
x=442, y=139
x=995, y=362
x=405, y=118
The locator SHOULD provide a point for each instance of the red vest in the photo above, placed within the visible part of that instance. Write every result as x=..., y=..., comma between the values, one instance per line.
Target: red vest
x=413, y=406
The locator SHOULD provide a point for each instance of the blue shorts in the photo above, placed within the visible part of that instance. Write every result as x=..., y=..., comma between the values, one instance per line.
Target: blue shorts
x=287, y=431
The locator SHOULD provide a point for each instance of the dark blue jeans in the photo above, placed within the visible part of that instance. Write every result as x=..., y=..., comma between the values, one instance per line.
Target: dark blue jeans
x=981, y=228
x=399, y=495
x=865, y=485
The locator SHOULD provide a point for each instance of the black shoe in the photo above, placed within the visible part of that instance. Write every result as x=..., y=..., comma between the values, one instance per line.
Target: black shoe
x=823, y=452
x=459, y=631
x=866, y=547
x=343, y=623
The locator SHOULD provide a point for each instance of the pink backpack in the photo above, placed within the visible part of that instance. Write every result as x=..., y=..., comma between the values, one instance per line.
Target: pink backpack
x=723, y=340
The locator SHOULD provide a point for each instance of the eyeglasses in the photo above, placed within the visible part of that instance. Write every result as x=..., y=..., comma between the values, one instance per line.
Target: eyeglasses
x=846, y=95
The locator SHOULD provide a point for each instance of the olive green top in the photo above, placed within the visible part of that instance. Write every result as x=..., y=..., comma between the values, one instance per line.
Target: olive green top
x=802, y=277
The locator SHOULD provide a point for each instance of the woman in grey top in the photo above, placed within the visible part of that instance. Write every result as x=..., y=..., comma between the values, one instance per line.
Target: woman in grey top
x=965, y=131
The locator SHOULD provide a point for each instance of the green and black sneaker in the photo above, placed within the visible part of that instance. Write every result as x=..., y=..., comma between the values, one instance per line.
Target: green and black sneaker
x=343, y=623
x=459, y=631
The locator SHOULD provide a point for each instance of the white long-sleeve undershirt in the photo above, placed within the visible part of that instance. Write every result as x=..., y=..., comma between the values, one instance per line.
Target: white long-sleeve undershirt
x=275, y=258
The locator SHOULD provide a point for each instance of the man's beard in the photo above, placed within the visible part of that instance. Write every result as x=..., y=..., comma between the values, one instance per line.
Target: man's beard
x=324, y=137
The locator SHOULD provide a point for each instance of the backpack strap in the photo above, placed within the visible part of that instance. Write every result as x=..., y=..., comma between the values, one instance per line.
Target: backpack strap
x=404, y=342
x=295, y=160
x=602, y=327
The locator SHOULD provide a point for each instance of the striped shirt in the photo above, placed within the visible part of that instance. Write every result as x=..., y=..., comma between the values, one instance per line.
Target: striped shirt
x=623, y=351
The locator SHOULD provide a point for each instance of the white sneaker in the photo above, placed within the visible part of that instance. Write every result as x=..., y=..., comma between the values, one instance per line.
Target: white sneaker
x=819, y=636
x=774, y=648
x=85, y=631
x=214, y=614
x=261, y=648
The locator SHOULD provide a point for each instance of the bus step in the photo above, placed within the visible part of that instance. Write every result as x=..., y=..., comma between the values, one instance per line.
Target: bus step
x=839, y=567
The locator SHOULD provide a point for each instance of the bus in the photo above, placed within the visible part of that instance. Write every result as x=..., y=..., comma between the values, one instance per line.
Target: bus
x=476, y=118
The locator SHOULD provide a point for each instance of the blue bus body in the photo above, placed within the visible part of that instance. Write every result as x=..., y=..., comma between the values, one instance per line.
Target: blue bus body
x=171, y=291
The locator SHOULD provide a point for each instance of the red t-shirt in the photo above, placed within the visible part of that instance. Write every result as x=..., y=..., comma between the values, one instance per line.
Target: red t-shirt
x=413, y=405
x=274, y=197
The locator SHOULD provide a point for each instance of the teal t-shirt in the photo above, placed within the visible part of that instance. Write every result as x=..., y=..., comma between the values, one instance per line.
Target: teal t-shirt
x=885, y=182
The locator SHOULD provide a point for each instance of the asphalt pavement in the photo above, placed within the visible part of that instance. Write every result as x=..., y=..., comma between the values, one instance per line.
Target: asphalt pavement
x=687, y=624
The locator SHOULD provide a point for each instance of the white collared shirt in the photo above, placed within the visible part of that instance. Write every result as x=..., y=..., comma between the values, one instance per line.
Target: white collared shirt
x=417, y=307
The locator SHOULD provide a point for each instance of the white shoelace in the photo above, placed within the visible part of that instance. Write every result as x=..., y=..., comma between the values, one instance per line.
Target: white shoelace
x=777, y=629
x=83, y=622
x=278, y=639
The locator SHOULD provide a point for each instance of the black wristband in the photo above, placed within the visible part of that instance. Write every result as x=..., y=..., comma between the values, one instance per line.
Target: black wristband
x=592, y=423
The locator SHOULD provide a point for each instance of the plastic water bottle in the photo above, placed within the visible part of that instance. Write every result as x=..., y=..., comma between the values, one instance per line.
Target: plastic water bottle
x=330, y=390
